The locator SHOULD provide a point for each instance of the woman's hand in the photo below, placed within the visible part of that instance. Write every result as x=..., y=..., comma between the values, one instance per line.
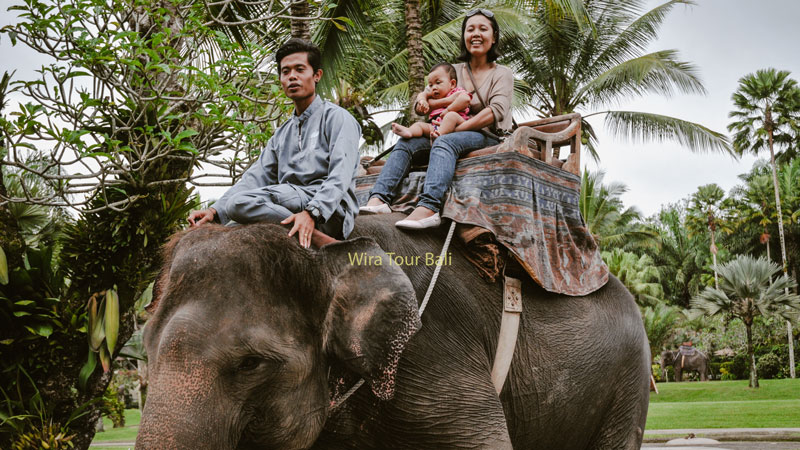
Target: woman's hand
x=483, y=119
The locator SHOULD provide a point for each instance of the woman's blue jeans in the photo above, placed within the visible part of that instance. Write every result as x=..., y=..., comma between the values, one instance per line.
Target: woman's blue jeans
x=441, y=165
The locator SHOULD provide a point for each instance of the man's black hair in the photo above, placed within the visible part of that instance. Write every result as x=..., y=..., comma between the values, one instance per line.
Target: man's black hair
x=297, y=45
x=451, y=71
x=492, y=55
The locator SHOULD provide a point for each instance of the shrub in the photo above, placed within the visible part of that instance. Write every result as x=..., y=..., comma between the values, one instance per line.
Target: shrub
x=656, y=369
x=769, y=366
x=113, y=407
x=715, y=370
x=741, y=367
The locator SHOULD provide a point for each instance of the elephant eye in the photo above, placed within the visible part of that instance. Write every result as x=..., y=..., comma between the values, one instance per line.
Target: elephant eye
x=249, y=363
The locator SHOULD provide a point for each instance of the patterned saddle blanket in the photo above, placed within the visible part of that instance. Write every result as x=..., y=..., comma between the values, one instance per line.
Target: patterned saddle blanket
x=687, y=351
x=529, y=206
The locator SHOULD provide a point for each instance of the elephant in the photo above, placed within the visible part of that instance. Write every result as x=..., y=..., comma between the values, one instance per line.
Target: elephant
x=697, y=362
x=252, y=336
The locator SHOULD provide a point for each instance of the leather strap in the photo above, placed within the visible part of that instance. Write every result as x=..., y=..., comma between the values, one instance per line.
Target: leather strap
x=480, y=97
x=509, y=330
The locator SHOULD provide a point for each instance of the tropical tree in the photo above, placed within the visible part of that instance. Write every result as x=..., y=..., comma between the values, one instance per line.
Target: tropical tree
x=706, y=212
x=678, y=255
x=569, y=68
x=748, y=289
x=765, y=102
x=611, y=224
x=754, y=204
x=660, y=322
x=637, y=273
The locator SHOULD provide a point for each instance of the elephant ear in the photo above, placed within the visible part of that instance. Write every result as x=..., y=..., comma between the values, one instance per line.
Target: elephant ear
x=372, y=312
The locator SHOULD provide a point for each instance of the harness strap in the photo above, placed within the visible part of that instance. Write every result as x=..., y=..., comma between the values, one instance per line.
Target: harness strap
x=509, y=329
x=422, y=306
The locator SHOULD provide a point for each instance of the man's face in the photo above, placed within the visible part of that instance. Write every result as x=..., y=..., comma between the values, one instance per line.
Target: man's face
x=297, y=77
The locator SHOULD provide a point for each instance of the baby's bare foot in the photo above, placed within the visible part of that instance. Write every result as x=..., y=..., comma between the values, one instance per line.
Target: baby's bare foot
x=401, y=130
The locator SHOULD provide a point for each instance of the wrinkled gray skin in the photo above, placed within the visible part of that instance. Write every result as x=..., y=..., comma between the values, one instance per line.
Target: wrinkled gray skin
x=240, y=364
x=697, y=363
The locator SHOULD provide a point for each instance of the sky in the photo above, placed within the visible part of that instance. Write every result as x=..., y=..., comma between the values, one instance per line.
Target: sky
x=724, y=39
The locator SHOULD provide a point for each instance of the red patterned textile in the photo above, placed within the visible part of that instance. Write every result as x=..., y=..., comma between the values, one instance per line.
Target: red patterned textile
x=531, y=208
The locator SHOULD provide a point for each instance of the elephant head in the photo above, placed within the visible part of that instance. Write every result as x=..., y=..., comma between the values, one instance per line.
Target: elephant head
x=667, y=358
x=246, y=326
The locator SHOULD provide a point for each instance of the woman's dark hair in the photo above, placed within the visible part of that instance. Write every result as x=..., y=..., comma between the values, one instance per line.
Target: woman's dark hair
x=451, y=71
x=296, y=45
x=492, y=55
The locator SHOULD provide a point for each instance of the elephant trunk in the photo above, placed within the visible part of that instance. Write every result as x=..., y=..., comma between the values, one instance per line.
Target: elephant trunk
x=181, y=415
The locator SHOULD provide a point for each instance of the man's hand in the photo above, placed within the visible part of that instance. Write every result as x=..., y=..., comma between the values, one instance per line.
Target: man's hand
x=303, y=226
x=201, y=216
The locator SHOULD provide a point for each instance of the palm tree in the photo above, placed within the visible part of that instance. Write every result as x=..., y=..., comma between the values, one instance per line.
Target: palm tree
x=573, y=68
x=765, y=102
x=706, y=212
x=416, y=62
x=637, y=273
x=678, y=255
x=756, y=206
x=299, y=24
x=660, y=322
x=747, y=290
x=611, y=224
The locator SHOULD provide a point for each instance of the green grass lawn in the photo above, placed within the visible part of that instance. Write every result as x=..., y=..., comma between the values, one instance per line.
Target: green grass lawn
x=712, y=404
x=126, y=434
x=725, y=404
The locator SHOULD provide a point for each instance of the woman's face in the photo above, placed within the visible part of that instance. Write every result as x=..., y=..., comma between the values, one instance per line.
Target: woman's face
x=478, y=35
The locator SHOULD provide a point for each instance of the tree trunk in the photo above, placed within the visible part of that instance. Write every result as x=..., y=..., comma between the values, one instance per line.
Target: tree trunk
x=300, y=28
x=782, y=240
x=416, y=63
x=752, y=355
x=714, y=257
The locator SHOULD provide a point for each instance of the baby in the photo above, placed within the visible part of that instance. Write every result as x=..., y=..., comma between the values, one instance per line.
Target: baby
x=442, y=83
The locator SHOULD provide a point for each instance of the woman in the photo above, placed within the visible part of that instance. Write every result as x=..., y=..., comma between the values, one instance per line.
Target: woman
x=494, y=84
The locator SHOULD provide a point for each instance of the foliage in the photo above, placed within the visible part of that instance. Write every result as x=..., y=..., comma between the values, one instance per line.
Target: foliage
x=714, y=369
x=726, y=373
x=769, y=366
x=660, y=322
x=637, y=273
x=611, y=224
x=154, y=102
x=34, y=320
x=747, y=290
x=766, y=102
x=113, y=407
x=27, y=420
x=135, y=95
x=569, y=67
x=679, y=256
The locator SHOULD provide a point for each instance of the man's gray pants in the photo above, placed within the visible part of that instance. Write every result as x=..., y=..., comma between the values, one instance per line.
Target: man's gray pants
x=273, y=204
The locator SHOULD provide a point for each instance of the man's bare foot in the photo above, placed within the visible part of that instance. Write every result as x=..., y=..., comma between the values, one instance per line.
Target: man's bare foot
x=375, y=201
x=419, y=213
x=401, y=131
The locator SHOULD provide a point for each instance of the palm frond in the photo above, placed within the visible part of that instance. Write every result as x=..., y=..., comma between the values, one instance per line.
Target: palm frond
x=659, y=73
x=638, y=127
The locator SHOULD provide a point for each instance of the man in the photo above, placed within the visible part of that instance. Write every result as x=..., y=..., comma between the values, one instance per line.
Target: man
x=305, y=175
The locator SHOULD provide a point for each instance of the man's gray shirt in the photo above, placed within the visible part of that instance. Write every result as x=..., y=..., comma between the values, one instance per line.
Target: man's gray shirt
x=315, y=153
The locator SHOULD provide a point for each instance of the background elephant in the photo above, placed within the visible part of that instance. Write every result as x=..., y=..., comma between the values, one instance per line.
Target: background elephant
x=252, y=333
x=680, y=364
